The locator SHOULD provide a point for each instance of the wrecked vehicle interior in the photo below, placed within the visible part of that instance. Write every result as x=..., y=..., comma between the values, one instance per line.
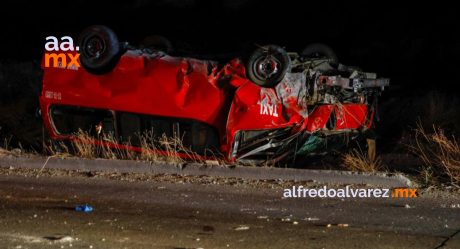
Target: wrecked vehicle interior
x=266, y=107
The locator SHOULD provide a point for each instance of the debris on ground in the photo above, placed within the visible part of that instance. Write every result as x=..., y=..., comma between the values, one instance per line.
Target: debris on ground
x=241, y=228
x=212, y=162
x=84, y=208
x=60, y=238
x=337, y=225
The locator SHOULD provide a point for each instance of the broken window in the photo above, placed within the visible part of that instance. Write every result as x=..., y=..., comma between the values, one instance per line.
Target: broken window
x=69, y=120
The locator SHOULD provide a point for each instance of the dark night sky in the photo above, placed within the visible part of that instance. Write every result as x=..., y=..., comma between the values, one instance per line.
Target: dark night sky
x=414, y=44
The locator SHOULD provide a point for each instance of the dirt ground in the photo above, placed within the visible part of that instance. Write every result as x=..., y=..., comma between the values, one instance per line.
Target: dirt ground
x=175, y=212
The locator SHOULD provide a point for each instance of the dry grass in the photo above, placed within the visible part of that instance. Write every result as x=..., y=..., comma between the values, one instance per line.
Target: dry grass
x=108, y=151
x=83, y=145
x=152, y=149
x=57, y=149
x=357, y=160
x=148, y=147
x=6, y=143
x=173, y=147
x=3, y=152
x=7, y=150
x=4, y=149
x=439, y=153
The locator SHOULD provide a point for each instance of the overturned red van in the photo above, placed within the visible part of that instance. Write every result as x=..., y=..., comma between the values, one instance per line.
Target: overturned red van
x=271, y=106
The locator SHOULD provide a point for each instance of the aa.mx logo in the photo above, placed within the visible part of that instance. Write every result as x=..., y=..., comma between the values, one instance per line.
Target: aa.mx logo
x=61, y=54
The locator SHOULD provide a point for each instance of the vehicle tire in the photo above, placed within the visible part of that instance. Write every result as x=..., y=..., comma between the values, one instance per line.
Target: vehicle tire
x=268, y=65
x=319, y=50
x=157, y=42
x=99, y=49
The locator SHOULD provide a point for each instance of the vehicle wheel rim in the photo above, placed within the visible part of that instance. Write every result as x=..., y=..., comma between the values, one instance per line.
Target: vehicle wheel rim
x=95, y=47
x=266, y=67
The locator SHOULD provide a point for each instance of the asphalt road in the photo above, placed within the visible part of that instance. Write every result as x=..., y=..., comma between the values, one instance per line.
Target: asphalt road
x=177, y=213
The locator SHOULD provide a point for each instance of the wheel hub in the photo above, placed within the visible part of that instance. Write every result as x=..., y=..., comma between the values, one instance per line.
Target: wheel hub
x=267, y=66
x=95, y=47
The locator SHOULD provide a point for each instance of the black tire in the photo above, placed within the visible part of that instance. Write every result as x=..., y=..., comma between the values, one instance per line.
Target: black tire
x=99, y=49
x=319, y=50
x=157, y=42
x=268, y=65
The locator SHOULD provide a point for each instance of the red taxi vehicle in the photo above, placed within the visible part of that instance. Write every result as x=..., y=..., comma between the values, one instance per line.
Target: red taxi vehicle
x=272, y=105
